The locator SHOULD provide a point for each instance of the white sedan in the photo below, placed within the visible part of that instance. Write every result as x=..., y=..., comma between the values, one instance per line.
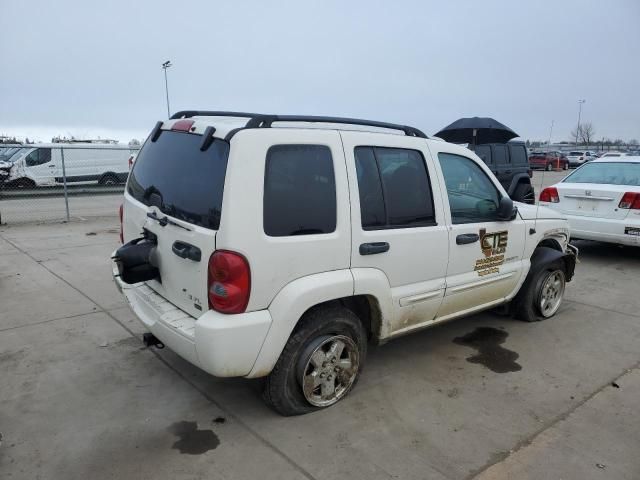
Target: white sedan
x=601, y=200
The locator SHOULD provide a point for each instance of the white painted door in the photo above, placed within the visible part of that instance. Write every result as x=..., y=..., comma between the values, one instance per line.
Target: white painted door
x=398, y=225
x=40, y=166
x=485, y=254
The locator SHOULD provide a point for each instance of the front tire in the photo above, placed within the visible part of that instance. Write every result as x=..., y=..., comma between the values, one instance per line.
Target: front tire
x=542, y=295
x=320, y=363
x=549, y=167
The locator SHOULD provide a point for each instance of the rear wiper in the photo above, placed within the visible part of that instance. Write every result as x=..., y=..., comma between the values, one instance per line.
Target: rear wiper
x=164, y=221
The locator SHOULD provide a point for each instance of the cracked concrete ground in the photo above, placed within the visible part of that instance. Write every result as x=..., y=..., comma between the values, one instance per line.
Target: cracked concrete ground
x=81, y=398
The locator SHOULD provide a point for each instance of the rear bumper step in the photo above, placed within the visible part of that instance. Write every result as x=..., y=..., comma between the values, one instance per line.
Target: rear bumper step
x=222, y=345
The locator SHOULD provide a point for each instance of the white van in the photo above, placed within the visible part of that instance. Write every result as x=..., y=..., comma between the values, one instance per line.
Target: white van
x=41, y=165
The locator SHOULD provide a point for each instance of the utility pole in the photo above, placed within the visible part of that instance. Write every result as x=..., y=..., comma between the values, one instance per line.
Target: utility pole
x=580, y=102
x=166, y=65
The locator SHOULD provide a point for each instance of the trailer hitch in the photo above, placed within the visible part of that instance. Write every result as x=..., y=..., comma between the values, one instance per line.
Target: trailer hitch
x=150, y=340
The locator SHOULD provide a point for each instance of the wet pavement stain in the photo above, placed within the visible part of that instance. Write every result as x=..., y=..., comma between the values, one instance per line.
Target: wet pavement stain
x=487, y=341
x=193, y=441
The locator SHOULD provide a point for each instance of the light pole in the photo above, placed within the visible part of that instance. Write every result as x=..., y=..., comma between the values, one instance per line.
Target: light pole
x=166, y=65
x=580, y=102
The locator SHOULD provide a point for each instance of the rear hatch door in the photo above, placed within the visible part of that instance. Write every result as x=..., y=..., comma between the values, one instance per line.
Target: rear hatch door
x=175, y=192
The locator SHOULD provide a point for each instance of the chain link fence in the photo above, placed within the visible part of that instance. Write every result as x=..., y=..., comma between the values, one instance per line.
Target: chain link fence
x=57, y=182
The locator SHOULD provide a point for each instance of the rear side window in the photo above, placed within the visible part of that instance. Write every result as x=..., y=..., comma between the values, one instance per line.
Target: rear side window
x=500, y=155
x=394, y=188
x=299, y=191
x=518, y=154
x=174, y=175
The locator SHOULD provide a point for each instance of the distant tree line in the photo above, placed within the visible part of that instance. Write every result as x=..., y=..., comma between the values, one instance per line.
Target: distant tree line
x=585, y=135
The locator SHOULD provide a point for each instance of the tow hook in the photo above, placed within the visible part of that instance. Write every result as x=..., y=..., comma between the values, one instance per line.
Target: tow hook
x=150, y=340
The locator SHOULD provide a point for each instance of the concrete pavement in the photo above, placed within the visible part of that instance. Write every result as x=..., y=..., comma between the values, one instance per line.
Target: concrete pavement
x=80, y=397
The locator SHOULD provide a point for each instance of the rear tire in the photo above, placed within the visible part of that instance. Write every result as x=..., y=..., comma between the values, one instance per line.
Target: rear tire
x=109, y=179
x=524, y=193
x=549, y=167
x=566, y=166
x=542, y=295
x=320, y=363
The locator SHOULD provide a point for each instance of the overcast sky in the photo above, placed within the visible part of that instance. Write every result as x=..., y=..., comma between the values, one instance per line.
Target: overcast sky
x=93, y=68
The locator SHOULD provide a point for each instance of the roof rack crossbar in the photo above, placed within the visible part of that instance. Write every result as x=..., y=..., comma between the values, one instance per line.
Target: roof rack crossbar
x=211, y=113
x=265, y=121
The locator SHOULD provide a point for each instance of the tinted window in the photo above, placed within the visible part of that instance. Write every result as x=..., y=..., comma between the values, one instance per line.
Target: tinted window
x=610, y=173
x=182, y=181
x=519, y=154
x=39, y=156
x=484, y=152
x=394, y=188
x=299, y=191
x=500, y=154
x=472, y=195
x=372, y=208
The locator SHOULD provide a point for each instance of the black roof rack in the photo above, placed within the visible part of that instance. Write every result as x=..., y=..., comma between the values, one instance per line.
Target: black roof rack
x=210, y=113
x=257, y=120
x=265, y=121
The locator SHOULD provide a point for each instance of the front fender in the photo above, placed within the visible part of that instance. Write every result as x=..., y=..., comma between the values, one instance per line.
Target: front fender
x=290, y=304
x=543, y=256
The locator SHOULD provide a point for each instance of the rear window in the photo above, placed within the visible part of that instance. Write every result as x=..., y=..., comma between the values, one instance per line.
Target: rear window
x=576, y=154
x=609, y=173
x=299, y=191
x=182, y=181
x=518, y=155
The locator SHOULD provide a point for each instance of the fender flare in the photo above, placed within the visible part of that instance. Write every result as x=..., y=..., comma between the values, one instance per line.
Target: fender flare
x=516, y=180
x=290, y=304
x=543, y=256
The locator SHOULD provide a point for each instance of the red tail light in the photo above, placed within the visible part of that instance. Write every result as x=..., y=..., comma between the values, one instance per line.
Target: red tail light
x=130, y=162
x=550, y=195
x=228, y=282
x=120, y=214
x=630, y=200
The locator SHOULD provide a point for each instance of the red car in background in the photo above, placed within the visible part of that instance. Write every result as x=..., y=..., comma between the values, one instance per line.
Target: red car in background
x=548, y=160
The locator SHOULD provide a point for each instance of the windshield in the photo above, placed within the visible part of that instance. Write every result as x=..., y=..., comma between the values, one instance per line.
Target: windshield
x=8, y=154
x=609, y=173
x=182, y=181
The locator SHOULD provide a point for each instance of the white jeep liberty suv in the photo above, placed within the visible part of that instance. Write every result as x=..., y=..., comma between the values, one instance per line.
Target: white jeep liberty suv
x=279, y=246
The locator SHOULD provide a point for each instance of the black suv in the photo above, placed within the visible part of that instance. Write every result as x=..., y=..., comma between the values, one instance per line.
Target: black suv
x=509, y=162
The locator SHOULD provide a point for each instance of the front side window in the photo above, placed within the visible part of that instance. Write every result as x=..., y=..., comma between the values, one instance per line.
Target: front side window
x=299, y=191
x=472, y=195
x=39, y=156
x=394, y=188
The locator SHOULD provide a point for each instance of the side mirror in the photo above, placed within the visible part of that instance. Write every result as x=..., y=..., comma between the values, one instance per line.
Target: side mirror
x=506, y=210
